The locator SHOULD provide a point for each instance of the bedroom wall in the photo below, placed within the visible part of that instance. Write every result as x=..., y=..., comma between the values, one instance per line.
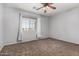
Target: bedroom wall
x=44, y=27
x=11, y=19
x=1, y=26
x=65, y=26
x=10, y=25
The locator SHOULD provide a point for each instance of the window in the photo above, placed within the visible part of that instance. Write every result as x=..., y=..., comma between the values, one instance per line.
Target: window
x=28, y=24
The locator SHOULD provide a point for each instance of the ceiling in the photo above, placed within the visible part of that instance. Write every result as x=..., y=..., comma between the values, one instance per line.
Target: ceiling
x=60, y=7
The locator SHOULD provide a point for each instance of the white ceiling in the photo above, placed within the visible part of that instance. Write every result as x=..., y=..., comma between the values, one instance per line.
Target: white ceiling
x=29, y=7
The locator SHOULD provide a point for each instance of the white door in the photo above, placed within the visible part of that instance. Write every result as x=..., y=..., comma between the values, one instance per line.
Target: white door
x=28, y=29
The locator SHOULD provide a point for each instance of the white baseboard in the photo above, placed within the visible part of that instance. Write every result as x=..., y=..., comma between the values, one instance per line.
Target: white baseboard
x=9, y=43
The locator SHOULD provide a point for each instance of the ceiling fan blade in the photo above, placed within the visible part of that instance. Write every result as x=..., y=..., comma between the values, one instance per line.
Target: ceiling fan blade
x=39, y=8
x=53, y=7
x=50, y=3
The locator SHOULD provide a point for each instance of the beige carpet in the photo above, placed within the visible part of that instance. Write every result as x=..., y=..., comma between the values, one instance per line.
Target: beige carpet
x=44, y=47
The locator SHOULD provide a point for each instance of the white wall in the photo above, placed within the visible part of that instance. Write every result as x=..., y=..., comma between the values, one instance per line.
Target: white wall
x=1, y=26
x=65, y=26
x=10, y=25
x=11, y=19
x=44, y=27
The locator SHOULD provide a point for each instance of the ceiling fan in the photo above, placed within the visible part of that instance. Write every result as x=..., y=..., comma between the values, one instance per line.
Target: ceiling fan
x=45, y=5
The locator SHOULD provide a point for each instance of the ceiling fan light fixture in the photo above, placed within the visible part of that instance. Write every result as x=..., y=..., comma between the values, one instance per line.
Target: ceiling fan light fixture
x=46, y=7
